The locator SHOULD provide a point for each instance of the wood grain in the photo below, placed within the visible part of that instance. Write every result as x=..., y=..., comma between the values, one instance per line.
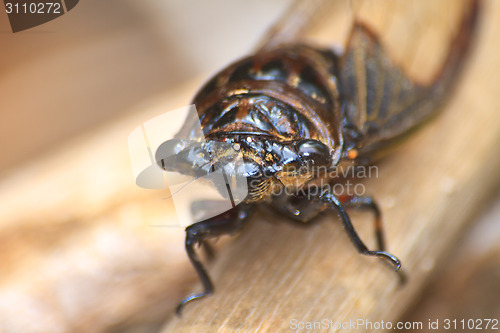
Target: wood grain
x=79, y=250
x=466, y=286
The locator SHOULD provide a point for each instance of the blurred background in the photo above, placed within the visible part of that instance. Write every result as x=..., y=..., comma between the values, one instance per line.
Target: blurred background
x=73, y=87
x=91, y=65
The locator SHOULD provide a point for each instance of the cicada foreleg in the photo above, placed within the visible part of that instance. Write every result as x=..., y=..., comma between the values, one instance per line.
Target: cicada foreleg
x=228, y=222
x=299, y=208
x=335, y=203
x=367, y=203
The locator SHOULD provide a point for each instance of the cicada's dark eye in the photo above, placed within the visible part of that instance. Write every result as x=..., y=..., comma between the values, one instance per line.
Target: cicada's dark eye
x=313, y=152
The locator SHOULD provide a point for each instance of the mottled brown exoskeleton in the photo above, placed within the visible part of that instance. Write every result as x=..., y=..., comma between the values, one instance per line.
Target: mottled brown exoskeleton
x=297, y=109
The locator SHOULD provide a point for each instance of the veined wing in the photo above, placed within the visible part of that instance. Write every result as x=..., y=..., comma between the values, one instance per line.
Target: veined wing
x=382, y=100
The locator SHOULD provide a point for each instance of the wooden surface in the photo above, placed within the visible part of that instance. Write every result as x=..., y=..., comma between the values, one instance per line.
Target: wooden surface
x=466, y=286
x=79, y=253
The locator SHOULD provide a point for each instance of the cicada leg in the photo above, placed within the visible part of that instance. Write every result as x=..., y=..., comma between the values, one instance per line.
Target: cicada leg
x=367, y=203
x=363, y=202
x=228, y=222
x=299, y=208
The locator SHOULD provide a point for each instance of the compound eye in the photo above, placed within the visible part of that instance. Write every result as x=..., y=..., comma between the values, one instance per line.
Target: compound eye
x=314, y=152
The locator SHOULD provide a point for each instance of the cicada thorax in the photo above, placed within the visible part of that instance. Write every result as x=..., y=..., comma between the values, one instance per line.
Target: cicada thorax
x=271, y=104
x=274, y=104
x=284, y=95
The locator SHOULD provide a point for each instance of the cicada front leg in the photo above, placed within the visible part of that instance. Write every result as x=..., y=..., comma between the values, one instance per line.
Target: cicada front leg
x=307, y=207
x=228, y=222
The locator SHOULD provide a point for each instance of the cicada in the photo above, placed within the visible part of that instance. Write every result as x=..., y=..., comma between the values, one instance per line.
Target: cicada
x=296, y=112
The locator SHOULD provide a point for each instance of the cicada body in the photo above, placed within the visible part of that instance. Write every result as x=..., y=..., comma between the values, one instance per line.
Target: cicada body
x=295, y=113
x=281, y=107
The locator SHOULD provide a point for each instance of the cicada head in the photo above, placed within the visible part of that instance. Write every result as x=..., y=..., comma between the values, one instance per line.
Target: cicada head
x=266, y=166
